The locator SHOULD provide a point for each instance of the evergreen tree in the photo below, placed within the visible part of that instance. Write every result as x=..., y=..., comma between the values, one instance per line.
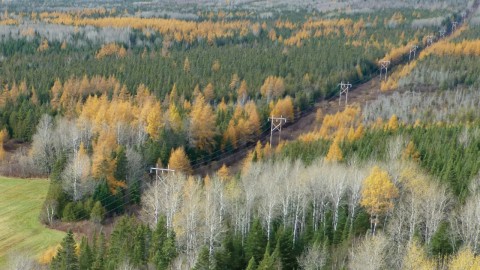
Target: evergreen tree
x=98, y=213
x=121, y=165
x=255, y=242
x=252, y=265
x=162, y=249
x=139, y=253
x=100, y=253
x=66, y=258
x=441, y=244
x=268, y=260
x=86, y=256
x=203, y=260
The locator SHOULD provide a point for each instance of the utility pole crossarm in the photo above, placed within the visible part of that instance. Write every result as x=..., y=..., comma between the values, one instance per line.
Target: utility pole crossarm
x=384, y=66
x=160, y=170
x=276, y=124
x=413, y=51
x=344, y=87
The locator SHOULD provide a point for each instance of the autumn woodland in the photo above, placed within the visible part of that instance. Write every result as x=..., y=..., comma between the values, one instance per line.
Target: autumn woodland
x=214, y=134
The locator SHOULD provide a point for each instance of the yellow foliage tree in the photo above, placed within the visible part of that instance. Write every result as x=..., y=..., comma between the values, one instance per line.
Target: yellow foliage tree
x=411, y=152
x=273, y=87
x=465, y=260
x=208, y=92
x=223, y=172
x=334, y=152
x=242, y=92
x=392, y=123
x=202, y=125
x=234, y=82
x=179, y=161
x=3, y=139
x=378, y=193
x=154, y=121
x=284, y=107
x=216, y=66
x=174, y=118
x=43, y=46
x=416, y=258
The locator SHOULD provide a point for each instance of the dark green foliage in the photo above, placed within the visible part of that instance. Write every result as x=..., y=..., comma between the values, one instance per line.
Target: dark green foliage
x=139, y=252
x=70, y=212
x=268, y=260
x=66, y=258
x=441, y=243
x=252, y=265
x=162, y=248
x=113, y=203
x=86, y=258
x=100, y=253
x=231, y=254
x=203, y=260
x=287, y=253
x=98, y=213
x=255, y=242
x=134, y=191
x=120, y=172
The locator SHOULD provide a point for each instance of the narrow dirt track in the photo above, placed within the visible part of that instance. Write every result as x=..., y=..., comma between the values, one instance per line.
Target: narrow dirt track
x=358, y=95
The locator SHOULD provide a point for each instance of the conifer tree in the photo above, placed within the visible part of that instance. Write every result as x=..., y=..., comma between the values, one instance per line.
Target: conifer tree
x=66, y=258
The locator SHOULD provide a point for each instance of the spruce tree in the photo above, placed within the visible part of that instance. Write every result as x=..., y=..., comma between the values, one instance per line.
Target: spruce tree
x=255, y=242
x=203, y=260
x=86, y=257
x=267, y=262
x=252, y=265
x=66, y=258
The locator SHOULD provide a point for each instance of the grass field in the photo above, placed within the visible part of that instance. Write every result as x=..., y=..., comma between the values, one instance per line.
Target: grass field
x=20, y=228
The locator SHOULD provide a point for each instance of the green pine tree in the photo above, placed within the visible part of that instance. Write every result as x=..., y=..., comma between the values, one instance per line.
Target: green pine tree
x=66, y=258
x=252, y=265
x=86, y=257
x=255, y=242
x=98, y=213
x=268, y=261
x=203, y=260
x=100, y=253
x=120, y=172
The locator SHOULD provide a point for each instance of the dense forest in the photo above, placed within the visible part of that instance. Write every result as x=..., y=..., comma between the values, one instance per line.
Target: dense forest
x=97, y=99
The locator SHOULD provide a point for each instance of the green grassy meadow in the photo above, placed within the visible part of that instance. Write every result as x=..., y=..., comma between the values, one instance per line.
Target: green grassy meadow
x=20, y=229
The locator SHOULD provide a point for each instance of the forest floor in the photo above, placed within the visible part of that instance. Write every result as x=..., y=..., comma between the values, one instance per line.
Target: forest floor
x=21, y=232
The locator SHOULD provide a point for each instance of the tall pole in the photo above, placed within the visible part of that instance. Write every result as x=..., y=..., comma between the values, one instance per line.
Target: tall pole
x=429, y=40
x=384, y=66
x=344, y=87
x=413, y=50
x=276, y=124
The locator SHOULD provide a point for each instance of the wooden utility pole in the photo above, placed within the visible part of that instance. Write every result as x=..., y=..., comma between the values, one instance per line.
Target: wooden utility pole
x=276, y=124
x=344, y=87
x=384, y=66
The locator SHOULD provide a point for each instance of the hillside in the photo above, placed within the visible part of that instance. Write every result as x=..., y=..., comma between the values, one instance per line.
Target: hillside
x=153, y=120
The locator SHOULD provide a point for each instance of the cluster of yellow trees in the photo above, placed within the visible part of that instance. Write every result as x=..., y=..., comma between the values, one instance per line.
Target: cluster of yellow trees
x=177, y=30
x=445, y=48
x=11, y=94
x=111, y=49
x=342, y=125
